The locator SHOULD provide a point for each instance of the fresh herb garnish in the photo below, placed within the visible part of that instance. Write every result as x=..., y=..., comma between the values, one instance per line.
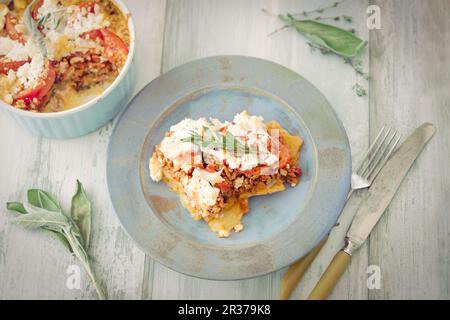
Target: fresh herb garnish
x=51, y=16
x=44, y=212
x=33, y=28
x=214, y=140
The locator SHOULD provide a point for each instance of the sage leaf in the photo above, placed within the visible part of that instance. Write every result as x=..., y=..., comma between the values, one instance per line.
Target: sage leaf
x=337, y=40
x=39, y=218
x=42, y=199
x=32, y=28
x=80, y=212
x=44, y=212
x=16, y=206
x=213, y=140
x=60, y=237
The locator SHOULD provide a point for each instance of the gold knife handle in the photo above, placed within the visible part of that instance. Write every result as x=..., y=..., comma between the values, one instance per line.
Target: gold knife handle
x=331, y=276
x=297, y=270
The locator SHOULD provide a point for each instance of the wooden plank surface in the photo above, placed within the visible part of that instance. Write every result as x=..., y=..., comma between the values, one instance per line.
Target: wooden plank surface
x=409, y=63
x=34, y=266
x=408, y=60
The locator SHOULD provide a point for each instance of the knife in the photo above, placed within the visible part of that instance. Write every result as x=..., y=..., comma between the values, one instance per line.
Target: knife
x=378, y=199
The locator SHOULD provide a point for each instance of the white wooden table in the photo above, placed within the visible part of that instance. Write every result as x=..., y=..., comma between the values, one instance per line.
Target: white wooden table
x=409, y=62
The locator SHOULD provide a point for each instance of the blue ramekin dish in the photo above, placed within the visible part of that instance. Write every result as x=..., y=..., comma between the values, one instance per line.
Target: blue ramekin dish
x=87, y=117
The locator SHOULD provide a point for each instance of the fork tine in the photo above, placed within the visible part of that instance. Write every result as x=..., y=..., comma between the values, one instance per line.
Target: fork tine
x=386, y=158
x=370, y=159
x=369, y=151
x=381, y=155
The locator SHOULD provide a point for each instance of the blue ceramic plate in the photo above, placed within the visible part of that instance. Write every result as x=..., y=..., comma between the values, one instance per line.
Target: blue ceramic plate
x=279, y=228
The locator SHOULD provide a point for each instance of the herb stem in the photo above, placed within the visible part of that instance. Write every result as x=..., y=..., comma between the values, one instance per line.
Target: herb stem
x=81, y=254
x=278, y=30
x=319, y=10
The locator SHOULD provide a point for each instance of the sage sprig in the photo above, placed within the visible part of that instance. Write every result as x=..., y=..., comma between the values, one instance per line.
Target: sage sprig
x=44, y=212
x=214, y=140
x=339, y=41
x=327, y=38
x=33, y=28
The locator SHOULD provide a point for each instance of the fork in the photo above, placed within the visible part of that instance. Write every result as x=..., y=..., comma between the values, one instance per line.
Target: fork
x=373, y=161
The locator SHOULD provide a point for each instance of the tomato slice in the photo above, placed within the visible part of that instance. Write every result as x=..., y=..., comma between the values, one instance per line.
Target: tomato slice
x=255, y=170
x=5, y=66
x=211, y=167
x=90, y=6
x=39, y=91
x=34, y=11
x=116, y=49
x=283, y=153
x=224, y=186
x=285, y=156
x=10, y=26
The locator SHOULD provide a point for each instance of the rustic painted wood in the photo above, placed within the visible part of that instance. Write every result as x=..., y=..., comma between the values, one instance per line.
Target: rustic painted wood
x=408, y=62
x=34, y=266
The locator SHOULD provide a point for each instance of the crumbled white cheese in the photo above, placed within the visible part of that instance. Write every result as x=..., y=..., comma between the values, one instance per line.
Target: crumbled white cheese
x=246, y=129
x=20, y=52
x=244, y=124
x=155, y=167
x=48, y=6
x=184, y=155
x=29, y=73
x=199, y=187
x=81, y=22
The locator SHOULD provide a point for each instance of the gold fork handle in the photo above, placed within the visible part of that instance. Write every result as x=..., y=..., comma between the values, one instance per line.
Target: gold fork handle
x=296, y=271
x=331, y=276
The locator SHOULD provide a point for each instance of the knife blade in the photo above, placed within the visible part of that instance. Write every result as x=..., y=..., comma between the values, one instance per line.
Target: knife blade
x=377, y=200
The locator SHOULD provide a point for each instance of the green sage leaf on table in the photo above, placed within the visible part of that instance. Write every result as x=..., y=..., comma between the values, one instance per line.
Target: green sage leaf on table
x=39, y=218
x=337, y=40
x=42, y=199
x=32, y=28
x=19, y=208
x=44, y=212
x=80, y=212
x=16, y=206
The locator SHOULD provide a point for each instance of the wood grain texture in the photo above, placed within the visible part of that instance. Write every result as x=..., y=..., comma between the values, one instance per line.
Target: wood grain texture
x=409, y=63
x=33, y=265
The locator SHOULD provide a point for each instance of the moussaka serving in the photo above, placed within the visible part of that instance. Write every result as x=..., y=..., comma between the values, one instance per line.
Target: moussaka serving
x=215, y=166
